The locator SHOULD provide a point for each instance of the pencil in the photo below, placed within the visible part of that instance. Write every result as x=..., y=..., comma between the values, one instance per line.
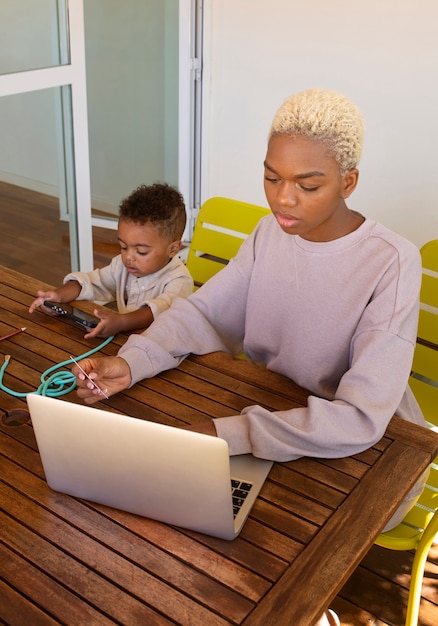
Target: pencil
x=14, y=332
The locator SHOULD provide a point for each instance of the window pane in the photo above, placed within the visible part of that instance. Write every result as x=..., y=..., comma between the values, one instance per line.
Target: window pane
x=132, y=90
x=30, y=37
x=36, y=231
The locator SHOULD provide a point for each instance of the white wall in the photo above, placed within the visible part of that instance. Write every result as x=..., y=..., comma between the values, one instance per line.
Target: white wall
x=382, y=54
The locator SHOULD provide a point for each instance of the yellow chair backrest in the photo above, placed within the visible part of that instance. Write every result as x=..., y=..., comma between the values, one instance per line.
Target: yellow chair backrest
x=220, y=230
x=420, y=526
x=424, y=379
x=428, y=326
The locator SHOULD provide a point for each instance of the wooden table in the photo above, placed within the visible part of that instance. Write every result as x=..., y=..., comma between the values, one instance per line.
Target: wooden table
x=63, y=560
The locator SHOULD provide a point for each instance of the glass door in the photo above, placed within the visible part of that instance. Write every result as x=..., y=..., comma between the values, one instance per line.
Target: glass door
x=95, y=99
x=43, y=124
x=132, y=92
x=140, y=59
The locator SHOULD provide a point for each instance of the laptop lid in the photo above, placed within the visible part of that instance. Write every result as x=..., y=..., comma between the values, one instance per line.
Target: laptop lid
x=161, y=472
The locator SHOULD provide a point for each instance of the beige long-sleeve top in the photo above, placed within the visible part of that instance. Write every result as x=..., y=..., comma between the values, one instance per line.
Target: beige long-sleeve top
x=114, y=283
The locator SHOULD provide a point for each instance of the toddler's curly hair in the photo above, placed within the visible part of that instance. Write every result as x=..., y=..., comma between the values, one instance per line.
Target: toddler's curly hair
x=161, y=205
x=327, y=117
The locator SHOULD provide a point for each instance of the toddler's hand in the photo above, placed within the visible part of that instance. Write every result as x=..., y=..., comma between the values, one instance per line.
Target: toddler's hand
x=51, y=296
x=108, y=325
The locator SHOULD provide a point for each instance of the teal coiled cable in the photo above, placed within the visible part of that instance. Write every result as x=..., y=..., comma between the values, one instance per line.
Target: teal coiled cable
x=55, y=382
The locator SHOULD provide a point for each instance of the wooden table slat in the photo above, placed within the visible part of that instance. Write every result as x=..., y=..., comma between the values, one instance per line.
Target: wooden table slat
x=46, y=601
x=98, y=572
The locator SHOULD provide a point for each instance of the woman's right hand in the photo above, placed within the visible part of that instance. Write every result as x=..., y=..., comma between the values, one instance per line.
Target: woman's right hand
x=109, y=375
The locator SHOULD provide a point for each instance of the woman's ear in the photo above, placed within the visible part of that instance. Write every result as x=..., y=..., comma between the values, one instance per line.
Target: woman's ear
x=349, y=182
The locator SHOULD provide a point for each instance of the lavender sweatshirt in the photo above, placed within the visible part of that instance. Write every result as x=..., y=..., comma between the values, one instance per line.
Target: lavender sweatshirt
x=339, y=318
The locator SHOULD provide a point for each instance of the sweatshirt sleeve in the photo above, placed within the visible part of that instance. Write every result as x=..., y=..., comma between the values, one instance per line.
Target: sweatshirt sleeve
x=355, y=414
x=355, y=419
x=204, y=322
x=171, y=337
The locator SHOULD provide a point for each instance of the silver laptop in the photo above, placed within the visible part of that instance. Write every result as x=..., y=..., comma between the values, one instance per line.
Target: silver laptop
x=168, y=474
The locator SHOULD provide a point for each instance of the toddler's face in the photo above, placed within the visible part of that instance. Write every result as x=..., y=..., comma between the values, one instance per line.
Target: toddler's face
x=144, y=250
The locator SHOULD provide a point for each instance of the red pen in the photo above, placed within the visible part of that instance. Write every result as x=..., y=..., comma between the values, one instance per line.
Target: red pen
x=14, y=332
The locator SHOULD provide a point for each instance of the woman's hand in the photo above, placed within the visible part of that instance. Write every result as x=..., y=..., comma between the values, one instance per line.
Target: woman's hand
x=108, y=375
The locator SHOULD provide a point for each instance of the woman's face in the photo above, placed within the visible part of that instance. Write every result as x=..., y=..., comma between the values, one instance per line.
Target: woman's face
x=305, y=189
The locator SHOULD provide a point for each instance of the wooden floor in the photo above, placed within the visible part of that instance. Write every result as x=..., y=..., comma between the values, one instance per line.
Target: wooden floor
x=36, y=243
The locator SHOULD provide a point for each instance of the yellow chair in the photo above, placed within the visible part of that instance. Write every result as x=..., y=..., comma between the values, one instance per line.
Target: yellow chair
x=420, y=526
x=220, y=230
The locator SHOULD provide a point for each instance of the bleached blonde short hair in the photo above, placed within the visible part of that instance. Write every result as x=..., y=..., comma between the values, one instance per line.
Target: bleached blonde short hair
x=327, y=117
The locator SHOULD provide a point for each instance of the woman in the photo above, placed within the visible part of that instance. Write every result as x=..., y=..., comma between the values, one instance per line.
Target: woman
x=318, y=293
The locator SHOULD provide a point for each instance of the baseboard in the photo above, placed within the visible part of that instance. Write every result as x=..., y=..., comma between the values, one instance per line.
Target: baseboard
x=29, y=183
